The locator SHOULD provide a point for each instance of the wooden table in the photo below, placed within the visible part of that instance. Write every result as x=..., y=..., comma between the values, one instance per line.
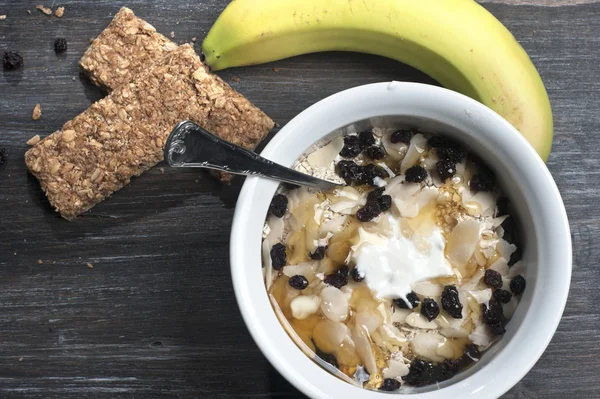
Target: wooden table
x=156, y=315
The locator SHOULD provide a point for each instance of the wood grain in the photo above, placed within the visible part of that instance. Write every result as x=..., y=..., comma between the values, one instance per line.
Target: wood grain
x=156, y=315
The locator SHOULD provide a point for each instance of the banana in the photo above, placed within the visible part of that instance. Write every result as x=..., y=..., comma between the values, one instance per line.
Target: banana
x=457, y=42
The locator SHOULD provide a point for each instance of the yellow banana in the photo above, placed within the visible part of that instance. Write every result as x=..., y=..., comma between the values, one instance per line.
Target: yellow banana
x=457, y=42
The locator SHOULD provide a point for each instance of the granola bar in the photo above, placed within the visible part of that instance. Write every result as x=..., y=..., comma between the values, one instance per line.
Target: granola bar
x=122, y=135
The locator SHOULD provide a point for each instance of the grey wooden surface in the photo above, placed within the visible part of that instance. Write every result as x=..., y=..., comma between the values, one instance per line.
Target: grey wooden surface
x=156, y=315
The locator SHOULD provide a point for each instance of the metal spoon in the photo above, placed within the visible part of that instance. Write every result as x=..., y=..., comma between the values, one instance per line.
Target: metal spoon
x=189, y=145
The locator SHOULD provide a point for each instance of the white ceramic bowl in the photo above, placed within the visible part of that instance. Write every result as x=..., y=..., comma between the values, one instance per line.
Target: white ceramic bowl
x=520, y=171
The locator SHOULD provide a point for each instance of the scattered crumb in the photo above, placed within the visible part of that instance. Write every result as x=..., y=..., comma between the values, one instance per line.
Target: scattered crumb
x=45, y=10
x=90, y=266
x=277, y=124
x=53, y=262
x=74, y=78
x=28, y=11
x=235, y=79
x=91, y=40
x=194, y=39
x=275, y=70
x=2, y=17
x=172, y=35
x=162, y=171
x=60, y=11
x=40, y=262
x=21, y=359
x=37, y=112
x=177, y=23
x=34, y=140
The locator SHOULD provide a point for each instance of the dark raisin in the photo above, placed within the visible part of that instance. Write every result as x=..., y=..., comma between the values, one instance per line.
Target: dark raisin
x=446, y=370
x=430, y=309
x=351, y=172
x=517, y=285
x=502, y=296
x=372, y=171
x=390, y=384
x=482, y=181
x=298, y=282
x=60, y=45
x=368, y=212
x=413, y=299
x=421, y=372
x=336, y=279
x=445, y=169
x=515, y=256
x=12, y=60
x=343, y=271
x=493, y=316
x=375, y=152
x=502, y=205
x=278, y=256
x=401, y=136
x=510, y=230
x=351, y=147
x=329, y=358
x=450, y=302
x=278, y=205
x=365, y=139
x=442, y=142
x=492, y=279
x=319, y=253
x=452, y=154
x=415, y=174
x=385, y=203
x=498, y=328
x=375, y=194
x=472, y=352
x=3, y=155
x=357, y=275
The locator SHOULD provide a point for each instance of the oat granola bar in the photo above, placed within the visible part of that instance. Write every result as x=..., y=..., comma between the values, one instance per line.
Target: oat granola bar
x=122, y=135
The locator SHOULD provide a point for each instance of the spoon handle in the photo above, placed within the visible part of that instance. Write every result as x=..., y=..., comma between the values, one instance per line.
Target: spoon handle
x=189, y=145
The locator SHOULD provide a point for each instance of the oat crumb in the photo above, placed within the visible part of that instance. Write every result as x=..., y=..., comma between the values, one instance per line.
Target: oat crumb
x=40, y=262
x=172, y=35
x=34, y=140
x=90, y=266
x=45, y=10
x=28, y=11
x=37, y=112
x=235, y=79
x=60, y=11
x=21, y=359
x=74, y=78
x=162, y=171
x=275, y=70
x=194, y=39
x=2, y=17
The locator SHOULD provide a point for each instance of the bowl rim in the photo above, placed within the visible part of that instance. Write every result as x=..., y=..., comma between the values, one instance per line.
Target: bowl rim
x=359, y=103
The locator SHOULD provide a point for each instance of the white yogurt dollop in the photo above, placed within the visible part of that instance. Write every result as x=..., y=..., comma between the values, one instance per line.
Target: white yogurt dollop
x=391, y=265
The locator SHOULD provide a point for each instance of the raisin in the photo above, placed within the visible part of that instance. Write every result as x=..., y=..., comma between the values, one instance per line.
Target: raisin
x=502, y=296
x=351, y=172
x=442, y=142
x=452, y=154
x=372, y=171
x=445, y=169
x=450, y=302
x=517, y=285
x=492, y=279
x=493, y=316
x=430, y=309
x=12, y=60
x=515, y=256
x=510, y=230
x=482, y=181
x=415, y=174
x=375, y=194
x=278, y=256
x=413, y=299
x=343, y=271
x=390, y=384
x=368, y=212
x=60, y=45
x=278, y=205
x=375, y=152
x=351, y=147
x=385, y=203
x=336, y=279
x=3, y=155
x=497, y=328
x=401, y=136
x=298, y=282
x=357, y=275
x=445, y=371
x=329, y=358
x=502, y=205
x=365, y=139
x=319, y=253
x=420, y=373
x=472, y=352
